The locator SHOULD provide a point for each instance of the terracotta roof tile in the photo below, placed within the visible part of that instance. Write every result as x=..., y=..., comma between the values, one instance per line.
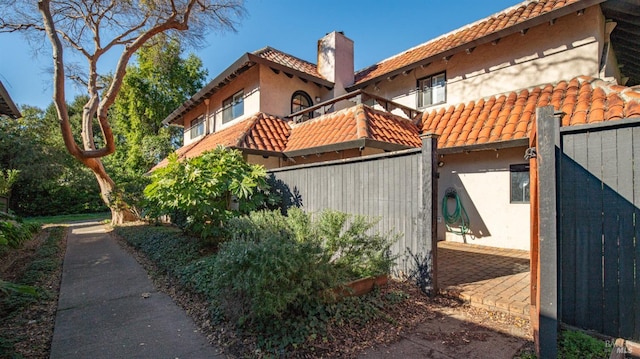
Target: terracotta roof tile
x=287, y=60
x=511, y=116
x=259, y=132
x=473, y=32
x=358, y=122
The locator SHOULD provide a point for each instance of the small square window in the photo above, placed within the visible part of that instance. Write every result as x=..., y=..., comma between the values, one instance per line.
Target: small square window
x=432, y=90
x=233, y=107
x=520, y=186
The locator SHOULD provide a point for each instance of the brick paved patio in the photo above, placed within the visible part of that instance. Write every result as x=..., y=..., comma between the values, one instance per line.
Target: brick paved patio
x=492, y=278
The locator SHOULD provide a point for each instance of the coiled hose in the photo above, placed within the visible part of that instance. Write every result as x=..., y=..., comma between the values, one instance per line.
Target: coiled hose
x=459, y=214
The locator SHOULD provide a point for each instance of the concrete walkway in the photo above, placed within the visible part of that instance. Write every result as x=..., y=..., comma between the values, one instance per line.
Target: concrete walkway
x=108, y=307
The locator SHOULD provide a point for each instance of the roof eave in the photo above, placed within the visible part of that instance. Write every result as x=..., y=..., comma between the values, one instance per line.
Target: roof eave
x=254, y=151
x=499, y=145
x=303, y=75
x=525, y=25
x=13, y=111
x=360, y=143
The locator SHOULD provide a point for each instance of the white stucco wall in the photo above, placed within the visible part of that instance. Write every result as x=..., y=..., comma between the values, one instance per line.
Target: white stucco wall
x=482, y=180
x=545, y=54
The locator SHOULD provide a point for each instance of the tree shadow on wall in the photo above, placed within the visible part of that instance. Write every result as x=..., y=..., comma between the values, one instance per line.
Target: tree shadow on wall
x=285, y=198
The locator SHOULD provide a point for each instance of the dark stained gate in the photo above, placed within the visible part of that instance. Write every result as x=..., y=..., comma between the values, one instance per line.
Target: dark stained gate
x=598, y=230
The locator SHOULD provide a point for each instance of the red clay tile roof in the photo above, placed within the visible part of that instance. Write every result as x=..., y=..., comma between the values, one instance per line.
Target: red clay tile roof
x=287, y=60
x=358, y=122
x=505, y=117
x=465, y=35
x=511, y=116
x=259, y=132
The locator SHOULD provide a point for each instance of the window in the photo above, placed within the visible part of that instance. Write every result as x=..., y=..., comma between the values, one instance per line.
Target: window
x=233, y=107
x=432, y=90
x=520, y=186
x=299, y=101
x=197, y=127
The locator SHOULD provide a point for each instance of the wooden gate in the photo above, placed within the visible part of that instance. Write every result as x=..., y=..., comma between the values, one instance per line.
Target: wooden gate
x=597, y=200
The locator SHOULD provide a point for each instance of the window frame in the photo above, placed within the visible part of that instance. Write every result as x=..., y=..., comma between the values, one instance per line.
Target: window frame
x=518, y=169
x=421, y=90
x=233, y=107
x=306, y=96
x=197, y=127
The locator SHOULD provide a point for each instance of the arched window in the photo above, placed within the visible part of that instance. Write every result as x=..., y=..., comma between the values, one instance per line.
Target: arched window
x=299, y=101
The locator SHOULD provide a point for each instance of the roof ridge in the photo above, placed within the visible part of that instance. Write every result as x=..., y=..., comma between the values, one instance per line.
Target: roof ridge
x=362, y=121
x=454, y=31
x=269, y=48
x=249, y=126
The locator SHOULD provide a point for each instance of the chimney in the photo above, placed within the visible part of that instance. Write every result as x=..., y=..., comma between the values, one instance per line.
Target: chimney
x=335, y=60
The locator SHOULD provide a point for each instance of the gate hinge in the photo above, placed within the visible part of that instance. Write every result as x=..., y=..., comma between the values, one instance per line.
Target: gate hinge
x=530, y=153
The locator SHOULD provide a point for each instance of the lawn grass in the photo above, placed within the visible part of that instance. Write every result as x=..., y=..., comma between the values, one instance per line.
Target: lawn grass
x=67, y=218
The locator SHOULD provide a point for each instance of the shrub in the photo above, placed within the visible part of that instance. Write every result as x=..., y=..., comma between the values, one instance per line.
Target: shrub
x=204, y=189
x=354, y=247
x=13, y=234
x=575, y=345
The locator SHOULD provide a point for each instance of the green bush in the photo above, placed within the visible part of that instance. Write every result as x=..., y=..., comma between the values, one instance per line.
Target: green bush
x=14, y=234
x=578, y=345
x=258, y=282
x=204, y=189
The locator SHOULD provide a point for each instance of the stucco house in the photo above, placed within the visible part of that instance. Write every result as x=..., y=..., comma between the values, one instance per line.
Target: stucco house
x=476, y=87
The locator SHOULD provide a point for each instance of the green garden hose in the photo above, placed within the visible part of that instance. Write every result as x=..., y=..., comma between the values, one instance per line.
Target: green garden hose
x=459, y=214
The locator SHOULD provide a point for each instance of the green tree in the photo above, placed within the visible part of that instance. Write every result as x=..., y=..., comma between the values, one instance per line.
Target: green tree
x=51, y=181
x=158, y=83
x=93, y=29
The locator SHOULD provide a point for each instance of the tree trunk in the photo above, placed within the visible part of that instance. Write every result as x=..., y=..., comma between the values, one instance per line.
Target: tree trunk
x=121, y=212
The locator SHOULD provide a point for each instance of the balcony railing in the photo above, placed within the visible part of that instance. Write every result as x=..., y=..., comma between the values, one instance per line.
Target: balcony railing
x=358, y=96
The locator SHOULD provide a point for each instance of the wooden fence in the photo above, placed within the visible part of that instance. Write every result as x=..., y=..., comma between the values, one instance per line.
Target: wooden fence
x=397, y=188
x=597, y=175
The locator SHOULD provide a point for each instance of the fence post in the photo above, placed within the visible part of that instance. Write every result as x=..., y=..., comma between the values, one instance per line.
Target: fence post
x=548, y=308
x=429, y=180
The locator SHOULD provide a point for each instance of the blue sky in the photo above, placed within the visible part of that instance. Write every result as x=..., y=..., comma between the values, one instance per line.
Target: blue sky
x=379, y=29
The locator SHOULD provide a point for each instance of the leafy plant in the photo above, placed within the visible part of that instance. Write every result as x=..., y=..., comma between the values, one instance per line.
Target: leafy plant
x=208, y=190
x=7, y=179
x=353, y=244
x=14, y=234
x=578, y=345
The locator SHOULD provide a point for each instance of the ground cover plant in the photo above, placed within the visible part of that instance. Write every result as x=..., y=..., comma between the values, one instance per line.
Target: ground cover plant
x=272, y=278
x=27, y=305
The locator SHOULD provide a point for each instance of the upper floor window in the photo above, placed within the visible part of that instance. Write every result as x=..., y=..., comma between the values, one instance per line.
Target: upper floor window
x=432, y=90
x=299, y=101
x=233, y=107
x=197, y=127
